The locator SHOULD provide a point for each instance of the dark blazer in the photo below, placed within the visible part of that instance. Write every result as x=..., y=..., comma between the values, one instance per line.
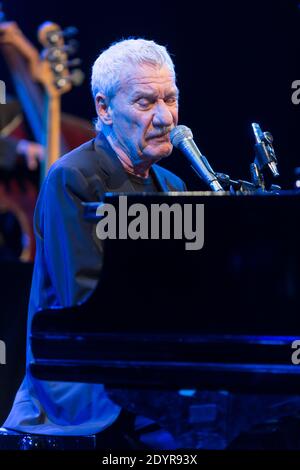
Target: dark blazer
x=68, y=262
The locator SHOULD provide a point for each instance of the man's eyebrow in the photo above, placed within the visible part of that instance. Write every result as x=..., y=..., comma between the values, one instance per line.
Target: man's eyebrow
x=153, y=93
x=142, y=93
x=174, y=92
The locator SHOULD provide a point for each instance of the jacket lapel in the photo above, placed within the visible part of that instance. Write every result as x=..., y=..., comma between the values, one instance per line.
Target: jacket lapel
x=160, y=181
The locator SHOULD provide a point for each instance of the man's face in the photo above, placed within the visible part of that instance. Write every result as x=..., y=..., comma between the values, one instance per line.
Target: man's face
x=143, y=112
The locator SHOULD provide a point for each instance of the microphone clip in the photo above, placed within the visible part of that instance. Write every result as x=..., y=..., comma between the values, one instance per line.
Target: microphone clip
x=265, y=157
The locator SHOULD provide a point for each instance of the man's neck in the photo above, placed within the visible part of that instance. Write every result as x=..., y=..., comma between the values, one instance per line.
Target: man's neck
x=141, y=169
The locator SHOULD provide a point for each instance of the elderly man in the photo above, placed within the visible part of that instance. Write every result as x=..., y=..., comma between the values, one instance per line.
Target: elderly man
x=136, y=99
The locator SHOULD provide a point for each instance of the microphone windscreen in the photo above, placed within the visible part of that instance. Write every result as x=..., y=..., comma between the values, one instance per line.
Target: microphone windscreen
x=179, y=133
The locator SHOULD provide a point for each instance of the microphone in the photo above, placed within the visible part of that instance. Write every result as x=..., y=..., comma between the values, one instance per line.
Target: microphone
x=182, y=138
x=265, y=154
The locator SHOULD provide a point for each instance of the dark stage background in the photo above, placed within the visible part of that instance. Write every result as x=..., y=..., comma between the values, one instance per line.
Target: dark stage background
x=235, y=63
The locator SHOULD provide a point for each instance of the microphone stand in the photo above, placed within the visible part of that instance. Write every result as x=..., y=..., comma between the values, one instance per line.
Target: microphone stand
x=264, y=159
x=238, y=187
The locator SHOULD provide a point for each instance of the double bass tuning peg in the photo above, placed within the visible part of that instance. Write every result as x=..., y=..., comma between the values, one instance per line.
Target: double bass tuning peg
x=76, y=77
x=57, y=54
x=60, y=66
x=71, y=47
x=54, y=36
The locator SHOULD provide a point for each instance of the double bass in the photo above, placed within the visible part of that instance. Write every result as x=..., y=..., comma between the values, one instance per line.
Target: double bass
x=40, y=81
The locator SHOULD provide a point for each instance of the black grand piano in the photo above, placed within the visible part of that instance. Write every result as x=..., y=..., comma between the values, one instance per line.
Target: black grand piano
x=164, y=318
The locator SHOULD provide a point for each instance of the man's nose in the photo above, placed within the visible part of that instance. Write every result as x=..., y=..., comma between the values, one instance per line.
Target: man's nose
x=162, y=115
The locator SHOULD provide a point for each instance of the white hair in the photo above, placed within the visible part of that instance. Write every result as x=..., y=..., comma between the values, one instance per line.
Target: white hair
x=111, y=64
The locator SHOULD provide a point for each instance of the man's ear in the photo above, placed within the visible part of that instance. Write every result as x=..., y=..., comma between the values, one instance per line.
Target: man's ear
x=103, y=109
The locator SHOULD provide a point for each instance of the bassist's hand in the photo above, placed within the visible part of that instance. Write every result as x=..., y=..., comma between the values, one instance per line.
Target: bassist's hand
x=33, y=153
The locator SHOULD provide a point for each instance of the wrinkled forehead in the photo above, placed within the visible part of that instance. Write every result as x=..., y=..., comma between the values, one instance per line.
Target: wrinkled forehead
x=147, y=76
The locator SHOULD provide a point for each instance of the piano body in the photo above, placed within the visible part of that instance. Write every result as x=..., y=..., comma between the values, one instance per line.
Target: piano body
x=168, y=327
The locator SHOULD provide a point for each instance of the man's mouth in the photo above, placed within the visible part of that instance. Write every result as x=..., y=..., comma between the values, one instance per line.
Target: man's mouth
x=163, y=137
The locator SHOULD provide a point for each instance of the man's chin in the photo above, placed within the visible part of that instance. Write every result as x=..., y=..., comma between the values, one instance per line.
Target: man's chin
x=160, y=152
